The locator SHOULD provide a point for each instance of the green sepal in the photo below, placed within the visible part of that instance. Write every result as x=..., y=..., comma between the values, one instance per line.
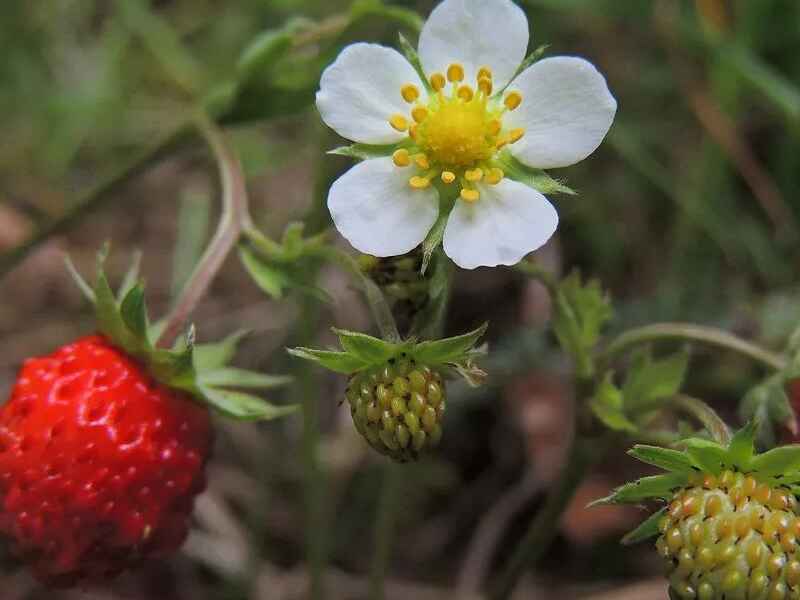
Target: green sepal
x=365, y=151
x=200, y=370
x=368, y=349
x=707, y=455
x=664, y=458
x=411, y=56
x=338, y=362
x=534, y=178
x=647, y=488
x=647, y=529
x=741, y=449
x=778, y=461
x=448, y=350
x=529, y=60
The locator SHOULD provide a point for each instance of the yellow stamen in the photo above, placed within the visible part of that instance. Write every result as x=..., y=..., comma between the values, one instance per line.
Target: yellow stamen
x=494, y=176
x=465, y=92
x=495, y=126
x=455, y=72
x=410, y=92
x=513, y=100
x=515, y=135
x=474, y=175
x=419, y=113
x=469, y=195
x=401, y=158
x=485, y=85
x=399, y=122
x=502, y=143
x=438, y=81
x=422, y=161
x=412, y=131
x=419, y=183
x=484, y=72
x=448, y=177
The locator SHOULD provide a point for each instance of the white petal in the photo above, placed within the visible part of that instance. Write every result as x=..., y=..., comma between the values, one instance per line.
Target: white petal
x=506, y=223
x=476, y=33
x=566, y=112
x=375, y=208
x=360, y=91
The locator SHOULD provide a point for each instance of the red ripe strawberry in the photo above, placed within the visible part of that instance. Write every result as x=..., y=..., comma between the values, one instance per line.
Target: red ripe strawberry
x=99, y=463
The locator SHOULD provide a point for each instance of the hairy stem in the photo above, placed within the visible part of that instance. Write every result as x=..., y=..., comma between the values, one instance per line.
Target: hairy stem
x=232, y=219
x=692, y=333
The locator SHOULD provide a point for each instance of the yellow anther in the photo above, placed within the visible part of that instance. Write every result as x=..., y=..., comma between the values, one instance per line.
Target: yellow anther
x=401, y=157
x=422, y=161
x=513, y=100
x=501, y=143
x=515, y=135
x=419, y=183
x=419, y=113
x=465, y=92
x=412, y=131
x=484, y=73
x=469, y=195
x=495, y=126
x=410, y=92
x=455, y=72
x=448, y=177
x=399, y=122
x=474, y=175
x=485, y=85
x=438, y=81
x=494, y=176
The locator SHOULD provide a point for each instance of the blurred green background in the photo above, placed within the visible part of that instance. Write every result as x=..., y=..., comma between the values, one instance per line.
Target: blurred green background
x=689, y=211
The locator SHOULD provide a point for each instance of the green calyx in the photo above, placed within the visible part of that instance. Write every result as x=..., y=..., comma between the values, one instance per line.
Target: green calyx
x=201, y=370
x=361, y=352
x=777, y=468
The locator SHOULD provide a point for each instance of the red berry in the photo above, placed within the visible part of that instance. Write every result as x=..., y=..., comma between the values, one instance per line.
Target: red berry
x=99, y=463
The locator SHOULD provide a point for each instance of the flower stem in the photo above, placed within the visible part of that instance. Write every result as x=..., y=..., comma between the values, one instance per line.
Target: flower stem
x=232, y=219
x=692, y=333
x=385, y=520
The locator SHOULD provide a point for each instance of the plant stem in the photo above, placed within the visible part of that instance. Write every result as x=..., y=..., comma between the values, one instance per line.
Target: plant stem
x=234, y=213
x=97, y=196
x=385, y=519
x=706, y=415
x=691, y=333
x=582, y=454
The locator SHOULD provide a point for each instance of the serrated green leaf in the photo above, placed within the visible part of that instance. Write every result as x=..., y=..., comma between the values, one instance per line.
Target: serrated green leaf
x=448, y=350
x=607, y=405
x=646, y=488
x=533, y=178
x=338, y=362
x=208, y=357
x=369, y=349
x=241, y=378
x=742, y=447
x=650, y=381
x=364, y=151
x=647, y=529
x=244, y=407
x=784, y=459
x=134, y=312
x=664, y=458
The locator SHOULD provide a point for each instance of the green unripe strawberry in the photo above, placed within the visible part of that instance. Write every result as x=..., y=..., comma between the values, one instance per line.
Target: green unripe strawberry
x=398, y=407
x=730, y=528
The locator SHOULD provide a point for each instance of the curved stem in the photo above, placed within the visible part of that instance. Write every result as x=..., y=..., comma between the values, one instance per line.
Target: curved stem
x=706, y=415
x=234, y=214
x=692, y=333
x=96, y=197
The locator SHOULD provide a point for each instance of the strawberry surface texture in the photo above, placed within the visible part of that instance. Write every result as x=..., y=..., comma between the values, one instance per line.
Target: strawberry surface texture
x=99, y=463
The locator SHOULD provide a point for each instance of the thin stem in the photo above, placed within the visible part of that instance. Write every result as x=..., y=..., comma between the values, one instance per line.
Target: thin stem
x=706, y=415
x=543, y=529
x=234, y=212
x=385, y=521
x=692, y=333
x=96, y=197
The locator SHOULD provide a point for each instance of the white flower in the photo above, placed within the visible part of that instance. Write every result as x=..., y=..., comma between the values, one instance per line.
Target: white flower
x=455, y=131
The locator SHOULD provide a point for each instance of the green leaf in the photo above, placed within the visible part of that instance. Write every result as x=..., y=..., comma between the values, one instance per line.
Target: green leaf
x=338, y=362
x=784, y=459
x=448, y=350
x=368, y=349
x=209, y=357
x=364, y=151
x=241, y=378
x=650, y=381
x=272, y=281
x=646, y=488
x=607, y=405
x=244, y=407
x=533, y=178
x=134, y=312
x=258, y=58
x=664, y=458
x=768, y=405
x=742, y=447
x=648, y=529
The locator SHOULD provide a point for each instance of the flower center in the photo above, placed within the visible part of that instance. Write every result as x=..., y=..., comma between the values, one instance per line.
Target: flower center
x=455, y=136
